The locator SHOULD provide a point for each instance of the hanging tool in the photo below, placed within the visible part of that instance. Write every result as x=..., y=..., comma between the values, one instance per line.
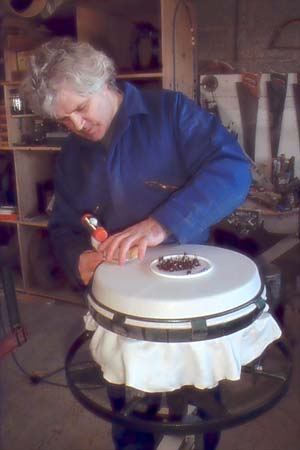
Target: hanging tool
x=276, y=90
x=210, y=85
x=296, y=87
x=248, y=94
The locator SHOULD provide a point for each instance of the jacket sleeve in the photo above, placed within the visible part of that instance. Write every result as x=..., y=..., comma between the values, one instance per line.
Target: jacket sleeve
x=219, y=174
x=67, y=235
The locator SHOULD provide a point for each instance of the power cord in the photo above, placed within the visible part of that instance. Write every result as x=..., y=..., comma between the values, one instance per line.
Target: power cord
x=34, y=377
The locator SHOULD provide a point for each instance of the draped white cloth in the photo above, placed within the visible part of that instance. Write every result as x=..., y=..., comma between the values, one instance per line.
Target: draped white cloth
x=161, y=367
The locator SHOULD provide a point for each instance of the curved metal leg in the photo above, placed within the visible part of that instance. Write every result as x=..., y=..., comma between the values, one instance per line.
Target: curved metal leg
x=233, y=403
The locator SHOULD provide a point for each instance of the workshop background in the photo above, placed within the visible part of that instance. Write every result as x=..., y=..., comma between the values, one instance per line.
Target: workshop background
x=239, y=59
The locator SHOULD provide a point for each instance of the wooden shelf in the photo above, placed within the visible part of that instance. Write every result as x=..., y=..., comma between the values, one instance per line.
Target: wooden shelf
x=21, y=116
x=36, y=221
x=36, y=148
x=140, y=76
x=10, y=221
x=10, y=83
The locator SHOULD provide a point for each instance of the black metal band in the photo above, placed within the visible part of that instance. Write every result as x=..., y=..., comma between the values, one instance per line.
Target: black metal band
x=199, y=329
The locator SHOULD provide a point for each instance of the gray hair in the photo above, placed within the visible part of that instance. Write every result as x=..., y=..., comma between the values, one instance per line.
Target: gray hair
x=60, y=62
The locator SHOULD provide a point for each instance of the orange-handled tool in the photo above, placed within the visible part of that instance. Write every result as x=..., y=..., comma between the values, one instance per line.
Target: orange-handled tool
x=98, y=232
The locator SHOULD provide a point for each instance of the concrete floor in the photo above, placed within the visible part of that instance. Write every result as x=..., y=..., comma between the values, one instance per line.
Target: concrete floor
x=47, y=417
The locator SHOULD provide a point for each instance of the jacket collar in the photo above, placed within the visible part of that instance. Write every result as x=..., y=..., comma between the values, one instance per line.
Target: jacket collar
x=133, y=102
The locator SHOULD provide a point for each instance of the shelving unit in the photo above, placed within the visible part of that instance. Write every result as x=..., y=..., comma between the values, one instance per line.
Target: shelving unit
x=33, y=166
x=101, y=23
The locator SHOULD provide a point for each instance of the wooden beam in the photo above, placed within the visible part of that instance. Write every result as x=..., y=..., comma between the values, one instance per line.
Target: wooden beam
x=179, y=46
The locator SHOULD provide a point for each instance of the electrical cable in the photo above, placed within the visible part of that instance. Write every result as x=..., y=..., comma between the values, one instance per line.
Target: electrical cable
x=32, y=377
x=35, y=378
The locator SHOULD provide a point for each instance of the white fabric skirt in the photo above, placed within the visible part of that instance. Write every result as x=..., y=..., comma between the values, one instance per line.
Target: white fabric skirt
x=162, y=367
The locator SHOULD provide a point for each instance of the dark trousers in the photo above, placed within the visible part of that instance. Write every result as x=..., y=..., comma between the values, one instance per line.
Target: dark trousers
x=130, y=439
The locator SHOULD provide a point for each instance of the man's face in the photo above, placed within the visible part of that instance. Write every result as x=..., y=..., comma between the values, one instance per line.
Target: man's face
x=89, y=117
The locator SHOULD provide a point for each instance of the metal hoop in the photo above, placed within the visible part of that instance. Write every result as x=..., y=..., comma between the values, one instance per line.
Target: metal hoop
x=224, y=410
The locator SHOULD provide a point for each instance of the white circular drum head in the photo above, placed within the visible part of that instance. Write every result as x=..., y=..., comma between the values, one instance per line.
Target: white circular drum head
x=139, y=289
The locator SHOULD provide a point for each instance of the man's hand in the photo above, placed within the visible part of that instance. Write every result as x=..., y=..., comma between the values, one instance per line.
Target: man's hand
x=148, y=233
x=88, y=262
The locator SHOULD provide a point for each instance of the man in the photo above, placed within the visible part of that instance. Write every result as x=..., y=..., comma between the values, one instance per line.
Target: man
x=152, y=166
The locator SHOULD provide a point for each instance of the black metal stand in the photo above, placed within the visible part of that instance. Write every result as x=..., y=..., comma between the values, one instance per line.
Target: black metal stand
x=262, y=385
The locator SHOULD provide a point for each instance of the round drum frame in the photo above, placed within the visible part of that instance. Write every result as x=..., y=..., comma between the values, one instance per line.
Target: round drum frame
x=195, y=328
x=263, y=383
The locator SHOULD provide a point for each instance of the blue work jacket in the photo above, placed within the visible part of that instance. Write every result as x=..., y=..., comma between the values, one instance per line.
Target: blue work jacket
x=164, y=157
